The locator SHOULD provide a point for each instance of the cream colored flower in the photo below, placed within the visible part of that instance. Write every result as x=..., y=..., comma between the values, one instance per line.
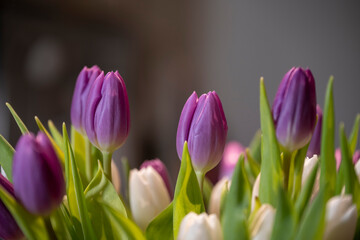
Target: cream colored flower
x=148, y=195
x=341, y=216
x=255, y=191
x=200, y=227
x=215, y=198
x=262, y=224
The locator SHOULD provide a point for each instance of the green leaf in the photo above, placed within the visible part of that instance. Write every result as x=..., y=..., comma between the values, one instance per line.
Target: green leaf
x=32, y=226
x=75, y=193
x=187, y=197
x=62, y=228
x=78, y=143
x=254, y=166
x=207, y=189
x=126, y=173
x=284, y=218
x=305, y=193
x=58, y=150
x=56, y=135
x=237, y=205
x=119, y=221
x=255, y=146
x=312, y=224
x=345, y=175
x=6, y=157
x=18, y=121
x=271, y=172
x=161, y=227
x=327, y=163
x=354, y=135
x=101, y=192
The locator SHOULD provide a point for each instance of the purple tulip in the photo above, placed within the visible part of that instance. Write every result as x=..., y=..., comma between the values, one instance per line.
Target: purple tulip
x=315, y=143
x=107, y=114
x=231, y=155
x=356, y=156
x=160, y=168
x=38, y=178
x=203, y=125
x=84, y=82
x=8, y=226
x=294, y=109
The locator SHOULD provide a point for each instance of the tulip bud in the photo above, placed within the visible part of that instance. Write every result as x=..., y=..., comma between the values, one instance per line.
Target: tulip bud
x=216, y=194
x=341, y=216
x=294, y=109
x=200, y=227
x=161, y=169
x=231, y=155
x=8, y=226
x=84, y=82
x=203, y=125
x=309, y=165
x=357, y=169
x=262, y=224
x=107, y=116
x=255, y=191
x=338, y=158
x=356, y=156
x=148, y=195
x=37, y=174
x=315, y=143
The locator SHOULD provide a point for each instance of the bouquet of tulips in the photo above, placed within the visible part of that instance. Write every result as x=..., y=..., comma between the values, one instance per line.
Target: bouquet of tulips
x=290, y=183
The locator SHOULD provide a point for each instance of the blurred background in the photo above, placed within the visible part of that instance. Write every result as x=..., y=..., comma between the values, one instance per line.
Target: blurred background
x=165, y=50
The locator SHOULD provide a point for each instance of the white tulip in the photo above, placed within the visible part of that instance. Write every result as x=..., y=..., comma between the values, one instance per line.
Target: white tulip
x=309, y=165
x=357, y=169
x=215, y=198
x=262, y=224
x=341, y=216
x=200, y=227
x=147, y=194
x=3, y=172
x=255, y=191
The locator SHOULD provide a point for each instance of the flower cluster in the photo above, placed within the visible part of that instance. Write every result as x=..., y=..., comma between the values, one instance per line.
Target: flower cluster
x=289, y=177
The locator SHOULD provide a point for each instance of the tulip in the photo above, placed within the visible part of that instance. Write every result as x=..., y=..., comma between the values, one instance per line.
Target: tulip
x=216, y=195
x=231, y=155
x=341, y=216
x=203, y=125
x=315, y=143
x=3, y=172
x=161, y=169
x=147, y=194
x=255, y=191
x=309, y=165
x=356, y=156
x=262, y=224
x=200, y=227
x=294, y=109
x=84, y=82
x=338, y=158
x=107, y=116
x=8, y=226
x=37, y=174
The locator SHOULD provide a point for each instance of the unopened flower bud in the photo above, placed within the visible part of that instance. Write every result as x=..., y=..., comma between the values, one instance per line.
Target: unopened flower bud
x=9, y=229
x=84, y=82
x=262, y=224
x=38, y=178
x=315, y=143
x=341, y=216
x=203, y=125
x=107, y=116
x=294, y=109
x=161, y=169
x=148, y=195
x=200, y=227
x=216, y=194
x=231, y=155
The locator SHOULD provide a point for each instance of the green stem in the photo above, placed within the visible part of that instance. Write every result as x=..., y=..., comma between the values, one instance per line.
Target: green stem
x=88, y=160
x=200, y=177
x=49, y=228
x=286, y=168
x=107, y=164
